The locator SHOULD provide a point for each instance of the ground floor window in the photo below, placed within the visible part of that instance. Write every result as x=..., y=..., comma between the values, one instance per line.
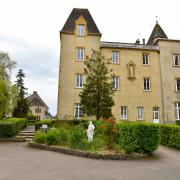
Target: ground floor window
x=177, y=110
x=78, y=111
x=140, y=113
x=124, y=112
x=156, y=114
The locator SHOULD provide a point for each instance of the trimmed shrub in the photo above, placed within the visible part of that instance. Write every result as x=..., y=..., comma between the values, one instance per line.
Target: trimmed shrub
x=39, y=124
x=11, y=126
x=170, y=135
x=139, y=137
x=40, y=137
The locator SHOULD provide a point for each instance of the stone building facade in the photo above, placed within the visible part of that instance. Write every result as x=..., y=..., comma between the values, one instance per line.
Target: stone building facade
x=147, y=76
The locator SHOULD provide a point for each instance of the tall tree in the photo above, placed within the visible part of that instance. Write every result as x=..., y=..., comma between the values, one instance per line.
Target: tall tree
x=22, y=108
x=96, y=97
x=6, y=65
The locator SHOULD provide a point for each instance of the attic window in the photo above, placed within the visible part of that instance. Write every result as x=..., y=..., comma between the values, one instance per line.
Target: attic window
x=80, y=30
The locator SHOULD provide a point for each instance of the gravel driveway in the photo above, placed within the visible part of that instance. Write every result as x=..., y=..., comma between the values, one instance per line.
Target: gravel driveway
x=19, y=162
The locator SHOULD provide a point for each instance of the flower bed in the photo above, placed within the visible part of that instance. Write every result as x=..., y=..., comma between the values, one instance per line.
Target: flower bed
x=121, y=138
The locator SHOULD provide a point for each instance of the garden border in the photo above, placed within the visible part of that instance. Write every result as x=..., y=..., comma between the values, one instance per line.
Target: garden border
x=88, y=154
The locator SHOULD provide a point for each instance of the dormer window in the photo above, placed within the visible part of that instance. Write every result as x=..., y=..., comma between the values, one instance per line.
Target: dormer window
x=80, y=30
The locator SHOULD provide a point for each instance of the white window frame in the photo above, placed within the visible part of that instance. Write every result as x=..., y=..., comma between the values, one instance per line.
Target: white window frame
x=124, y=112
x=80, y=54
x=177, y=110
x=178, y=86
x=79, y=81
x=79, y=113
x=146, y=82
x=174, y=59
x=115, y=57
x=145, y=59
x=140, y=113
x=80, y=30
x=115, y=82
x=156, y=114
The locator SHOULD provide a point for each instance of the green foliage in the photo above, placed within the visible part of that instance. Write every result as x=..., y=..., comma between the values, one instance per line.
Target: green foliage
x=139, y=137
x=78, y=138
x=11, y=126
x=52, y=136
x=39, y=124
x=4, y=97
x=6, y=65
x=32, y=118
x=64, y=136
x=96, y=97
x=170, y=135
x=177, y=122
x=40, y=137
x=22, y=108
x=110, y=132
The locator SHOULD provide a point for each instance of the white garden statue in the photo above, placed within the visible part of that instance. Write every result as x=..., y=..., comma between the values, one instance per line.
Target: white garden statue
x=90, y=132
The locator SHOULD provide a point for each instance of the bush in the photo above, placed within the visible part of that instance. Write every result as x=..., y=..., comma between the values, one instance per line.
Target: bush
x=39, y=124
x=32, y=118
x=40, y=137
x=170, y=135
x=78, y=139
x=63, y=137
x=11, y=126
x=52, y=136
x=139, y=137
x=177, y=122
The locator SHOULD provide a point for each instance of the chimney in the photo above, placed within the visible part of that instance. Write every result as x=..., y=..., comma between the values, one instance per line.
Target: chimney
x=137, y=42
x=143, y=40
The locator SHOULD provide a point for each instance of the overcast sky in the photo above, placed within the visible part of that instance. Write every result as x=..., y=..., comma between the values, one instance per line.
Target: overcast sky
x=29, y=31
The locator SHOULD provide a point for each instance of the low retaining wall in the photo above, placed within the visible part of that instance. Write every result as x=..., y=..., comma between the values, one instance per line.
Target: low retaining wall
x=89, y=154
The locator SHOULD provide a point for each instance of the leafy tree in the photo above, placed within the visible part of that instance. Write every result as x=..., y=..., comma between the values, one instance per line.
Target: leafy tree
x=6, y=65
x=96, y=97
x=4, y=97
x=22, y=108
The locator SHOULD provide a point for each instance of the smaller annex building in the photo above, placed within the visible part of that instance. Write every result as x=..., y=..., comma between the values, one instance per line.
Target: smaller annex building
x=38, y=107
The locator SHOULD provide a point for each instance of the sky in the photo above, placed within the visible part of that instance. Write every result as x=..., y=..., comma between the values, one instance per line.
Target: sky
x=29, y=32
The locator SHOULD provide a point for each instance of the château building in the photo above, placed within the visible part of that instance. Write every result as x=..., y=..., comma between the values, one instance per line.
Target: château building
x=147, y=75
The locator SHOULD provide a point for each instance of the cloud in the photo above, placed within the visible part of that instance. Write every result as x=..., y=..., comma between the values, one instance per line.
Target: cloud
x=40, y=65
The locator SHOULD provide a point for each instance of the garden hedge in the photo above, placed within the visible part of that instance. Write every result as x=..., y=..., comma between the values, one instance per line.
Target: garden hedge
x=170, y=135
x=11, y=126
x=139, y=137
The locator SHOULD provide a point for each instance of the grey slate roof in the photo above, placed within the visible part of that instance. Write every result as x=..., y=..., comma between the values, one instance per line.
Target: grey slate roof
x=69, y=26
x=35, y=100
x=156, y=33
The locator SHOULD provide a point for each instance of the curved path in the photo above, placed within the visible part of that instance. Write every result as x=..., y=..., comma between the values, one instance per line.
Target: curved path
x=19, y=162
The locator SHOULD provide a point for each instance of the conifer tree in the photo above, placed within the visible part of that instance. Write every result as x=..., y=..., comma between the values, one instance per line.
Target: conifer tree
x=96, y=97
x=22, y=108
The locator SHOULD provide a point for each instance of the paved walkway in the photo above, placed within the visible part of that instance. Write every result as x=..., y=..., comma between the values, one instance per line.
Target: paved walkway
x=19, y=162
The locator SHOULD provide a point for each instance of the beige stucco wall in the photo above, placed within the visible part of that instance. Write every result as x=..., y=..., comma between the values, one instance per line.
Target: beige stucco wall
x=169, y=74
x=131, y=92
x=42, y=114
x=69, y=67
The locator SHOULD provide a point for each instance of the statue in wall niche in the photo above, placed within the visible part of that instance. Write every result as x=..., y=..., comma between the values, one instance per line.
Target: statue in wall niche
x=90, y=131
x=131, y=70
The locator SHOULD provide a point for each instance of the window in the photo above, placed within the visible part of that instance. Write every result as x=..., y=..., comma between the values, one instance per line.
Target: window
x=115, y=83
x=37, y=110
x=156, y=114
x=177, y=110
x=146, y=59
x=81, y=30
x=124, y=112
x=177, y=84
x=146, y=84
x=115, y=57
x=80, y=54
x=140, y=113
x=176, y=60
x=79, y=80
x=77, y=111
